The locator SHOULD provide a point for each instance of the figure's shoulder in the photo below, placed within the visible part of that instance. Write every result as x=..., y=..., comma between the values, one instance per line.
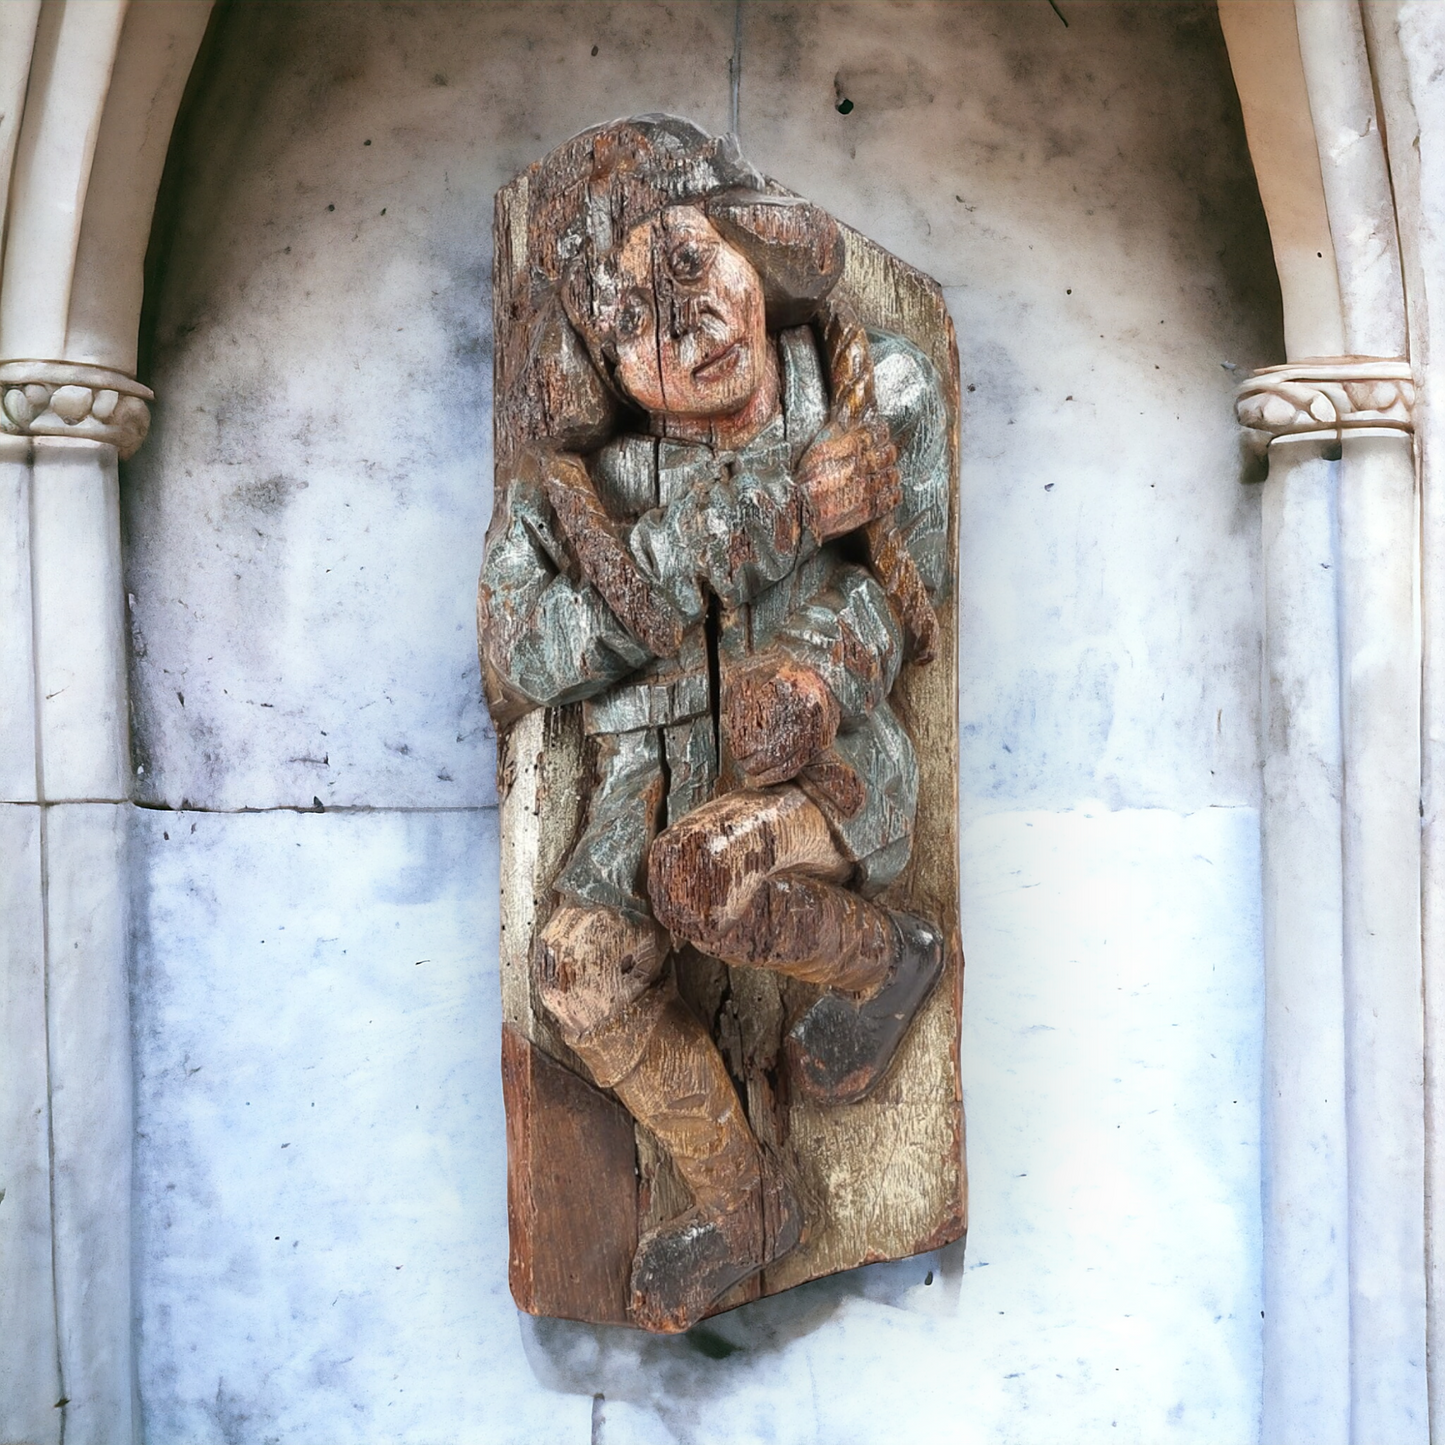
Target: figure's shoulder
x=906, y=383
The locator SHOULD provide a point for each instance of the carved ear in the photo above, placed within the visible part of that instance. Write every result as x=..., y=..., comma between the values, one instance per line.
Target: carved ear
x=553, y=391
x=793, y=245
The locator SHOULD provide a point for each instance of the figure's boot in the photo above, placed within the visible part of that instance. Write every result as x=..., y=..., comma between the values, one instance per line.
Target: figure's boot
x=878, y=966
x=667, y=1070
x=842, y=1046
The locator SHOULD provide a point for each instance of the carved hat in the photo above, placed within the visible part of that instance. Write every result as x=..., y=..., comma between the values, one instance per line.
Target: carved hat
x=613, y=178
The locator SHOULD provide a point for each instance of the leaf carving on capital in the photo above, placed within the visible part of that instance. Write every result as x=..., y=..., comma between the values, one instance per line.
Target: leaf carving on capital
x=1326, y=398
x=61, y=399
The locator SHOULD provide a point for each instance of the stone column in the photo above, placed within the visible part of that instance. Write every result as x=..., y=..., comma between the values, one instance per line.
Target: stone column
x=1351, y=1202
x=65, y=1021
x=1407, y=49
x=1380, y=706
x=88, y=93
x=1380, y=710
x=1344, y=1111
x=68, y=1001
x=1306, y=1181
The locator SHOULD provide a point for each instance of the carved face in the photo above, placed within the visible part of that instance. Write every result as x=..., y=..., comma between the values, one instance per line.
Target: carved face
x=688, y=329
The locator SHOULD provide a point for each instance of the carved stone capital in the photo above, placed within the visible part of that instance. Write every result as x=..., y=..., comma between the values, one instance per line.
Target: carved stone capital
x=66, y=399
x=1326, y=398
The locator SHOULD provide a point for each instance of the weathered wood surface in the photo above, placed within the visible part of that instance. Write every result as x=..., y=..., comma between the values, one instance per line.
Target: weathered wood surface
x=571, y=1181
x=882, y=1178
x=889, y=1171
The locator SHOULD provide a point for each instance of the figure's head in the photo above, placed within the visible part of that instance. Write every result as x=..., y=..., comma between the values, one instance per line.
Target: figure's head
x=656, y=261
x=685, y=331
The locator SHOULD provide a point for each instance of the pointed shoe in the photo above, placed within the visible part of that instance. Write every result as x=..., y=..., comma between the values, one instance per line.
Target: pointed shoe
x=840, y=1049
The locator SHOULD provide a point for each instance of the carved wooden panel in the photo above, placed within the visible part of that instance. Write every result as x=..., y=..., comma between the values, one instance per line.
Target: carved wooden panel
x=720, y=649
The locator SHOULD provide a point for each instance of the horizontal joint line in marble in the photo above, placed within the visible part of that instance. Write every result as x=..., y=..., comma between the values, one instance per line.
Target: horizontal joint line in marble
x=1327, y=396
x=70, y=399
x=57, y=802
x=153, y=807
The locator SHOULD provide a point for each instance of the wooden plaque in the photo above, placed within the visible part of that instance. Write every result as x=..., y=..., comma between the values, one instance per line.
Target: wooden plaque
x=876, y=1179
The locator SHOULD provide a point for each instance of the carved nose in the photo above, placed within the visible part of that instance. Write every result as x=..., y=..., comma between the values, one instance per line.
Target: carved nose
x=686, y=317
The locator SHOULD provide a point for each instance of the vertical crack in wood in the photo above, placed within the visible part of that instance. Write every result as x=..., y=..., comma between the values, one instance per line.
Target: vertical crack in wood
x=735, y=71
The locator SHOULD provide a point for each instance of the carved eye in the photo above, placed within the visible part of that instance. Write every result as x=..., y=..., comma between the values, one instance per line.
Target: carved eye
x=691, y=260
x=632, y=318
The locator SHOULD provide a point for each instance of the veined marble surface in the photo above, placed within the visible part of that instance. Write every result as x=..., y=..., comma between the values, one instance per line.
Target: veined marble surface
x=321, y=1163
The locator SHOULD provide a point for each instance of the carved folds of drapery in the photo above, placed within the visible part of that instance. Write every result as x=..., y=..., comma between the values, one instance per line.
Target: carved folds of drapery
x=1327, y=397
x=66, y=399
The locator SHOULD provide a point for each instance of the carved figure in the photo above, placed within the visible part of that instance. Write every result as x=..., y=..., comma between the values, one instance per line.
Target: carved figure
x=718, y=528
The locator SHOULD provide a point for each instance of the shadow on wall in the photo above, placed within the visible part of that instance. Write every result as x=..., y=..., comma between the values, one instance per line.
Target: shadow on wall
x=675, y=1375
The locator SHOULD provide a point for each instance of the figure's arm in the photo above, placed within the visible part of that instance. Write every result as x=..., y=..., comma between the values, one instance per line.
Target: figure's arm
x=547, y=638
x=838, y=655
x=909, y=396
x=747, y=530
x=742, y=532
x=834, y=660
x=847, y=634
x=732, y=537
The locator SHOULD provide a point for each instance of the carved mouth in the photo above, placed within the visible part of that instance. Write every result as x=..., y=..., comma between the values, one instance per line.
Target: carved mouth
x=720, y=364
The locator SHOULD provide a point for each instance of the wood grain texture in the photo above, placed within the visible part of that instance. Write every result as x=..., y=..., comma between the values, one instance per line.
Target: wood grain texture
x=887, y=1176
x=571, y=1189
x=883, y=1178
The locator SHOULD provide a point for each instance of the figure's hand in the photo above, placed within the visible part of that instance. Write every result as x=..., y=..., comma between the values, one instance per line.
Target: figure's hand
x=777, y=716
x=848, y=477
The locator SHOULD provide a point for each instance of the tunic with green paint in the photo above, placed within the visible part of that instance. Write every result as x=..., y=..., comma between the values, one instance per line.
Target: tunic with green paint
x=720, y=537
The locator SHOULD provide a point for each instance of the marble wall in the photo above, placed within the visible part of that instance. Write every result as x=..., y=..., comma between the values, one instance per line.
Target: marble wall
x=321, y=1232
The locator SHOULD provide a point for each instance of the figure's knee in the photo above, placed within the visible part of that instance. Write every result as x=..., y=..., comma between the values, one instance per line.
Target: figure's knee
x=594, y=962
x=702, y=871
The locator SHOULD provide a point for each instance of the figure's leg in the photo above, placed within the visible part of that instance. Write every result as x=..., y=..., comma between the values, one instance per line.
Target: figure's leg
x=601, y=980
x=755, y=878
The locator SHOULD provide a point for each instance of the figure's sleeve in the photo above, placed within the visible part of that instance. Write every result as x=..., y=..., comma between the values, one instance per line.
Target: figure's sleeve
x=548, y=638
x=734, y=536
x=847, y=634
x=909, y=393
